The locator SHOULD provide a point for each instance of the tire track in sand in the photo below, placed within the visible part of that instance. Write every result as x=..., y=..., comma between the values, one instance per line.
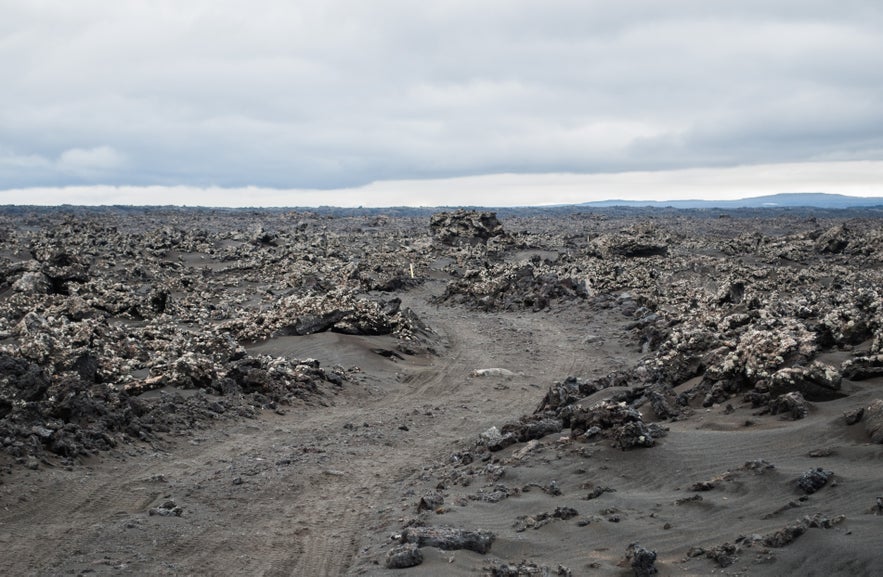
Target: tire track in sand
x=332, y=540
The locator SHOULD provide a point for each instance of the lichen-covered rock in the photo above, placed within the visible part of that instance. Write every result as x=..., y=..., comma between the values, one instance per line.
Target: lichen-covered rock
x=731, y=292
x=834, y=240
x=603, y=414
x=850, y=321
x=339, y=311
x=566, y=392
x=814, y=479
x=32, y=283
x=130, y=300
x=720, y=392
x=532, y=427
x=791, y=405
x=632, y=435
x=192, y=371
x=612, y=420
x=430, y=501
x=638, y=241
x=862, y=368
x=449, y=538
x=761, y=352
x=665, y=404
x=784, y=536
x=404, y=556
x=513, y=287
x=817, y=382
x=494, y=440
x=724, y=554
x=792, y=531
x=641, y=560
x=524, y=522
x=465, y=226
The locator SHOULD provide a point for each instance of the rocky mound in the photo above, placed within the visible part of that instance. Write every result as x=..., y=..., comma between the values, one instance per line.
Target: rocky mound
x=464, y=227
x=121, y=328
x=512, y=287
x=633, y=242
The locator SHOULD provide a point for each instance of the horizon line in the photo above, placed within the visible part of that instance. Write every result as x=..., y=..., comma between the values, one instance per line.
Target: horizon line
x=861, y=179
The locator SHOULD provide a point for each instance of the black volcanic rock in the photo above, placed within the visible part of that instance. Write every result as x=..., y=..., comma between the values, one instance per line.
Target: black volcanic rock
x=834, y=240
x=818, y=382
x=449, y=538
x=404, y=556
x=639, y=241
x=791, y=404
x=511, y=287
x=862, y=368
x=814, y=479
x=464, y=227
x=641, y=560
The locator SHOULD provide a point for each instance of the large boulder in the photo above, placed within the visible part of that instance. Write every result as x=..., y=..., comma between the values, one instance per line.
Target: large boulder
x=632, y=242
x=449, y=538
x=616, y=421
x=791, y=405
x=833, y=241
x=817, y=382
x=513, y=287
x=861, y=368
x=533, y=427
x=31, y=283
x=464, y=227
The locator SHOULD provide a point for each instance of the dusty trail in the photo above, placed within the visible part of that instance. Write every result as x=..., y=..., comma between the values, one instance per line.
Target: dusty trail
x=289, y=494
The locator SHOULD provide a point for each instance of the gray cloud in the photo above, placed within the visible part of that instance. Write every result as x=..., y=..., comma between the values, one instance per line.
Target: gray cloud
x=326, y=94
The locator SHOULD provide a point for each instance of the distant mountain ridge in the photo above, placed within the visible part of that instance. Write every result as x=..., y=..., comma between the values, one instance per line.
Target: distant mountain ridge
x=784, y=200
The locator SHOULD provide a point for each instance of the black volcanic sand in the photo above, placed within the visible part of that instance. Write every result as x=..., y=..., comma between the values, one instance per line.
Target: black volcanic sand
x=559, y=392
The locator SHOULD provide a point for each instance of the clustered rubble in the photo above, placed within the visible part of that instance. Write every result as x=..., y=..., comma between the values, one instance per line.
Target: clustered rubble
x=738, y=332
x=722, y=319
x=123, y=325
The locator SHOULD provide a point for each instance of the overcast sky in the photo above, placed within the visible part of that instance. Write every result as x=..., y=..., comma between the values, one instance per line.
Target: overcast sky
x=382, y=102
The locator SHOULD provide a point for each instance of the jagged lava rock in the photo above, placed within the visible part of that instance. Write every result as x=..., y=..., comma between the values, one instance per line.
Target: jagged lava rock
x=641, y=560
x=817, y=382
x=814, y=479
x=638, y=241
x=465, y=226
x=449, y=538
x=862, y=368
x=790, y=404
x=404, y=556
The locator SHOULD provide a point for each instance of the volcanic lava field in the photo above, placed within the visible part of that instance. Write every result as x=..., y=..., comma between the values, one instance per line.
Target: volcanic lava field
x=530, y=392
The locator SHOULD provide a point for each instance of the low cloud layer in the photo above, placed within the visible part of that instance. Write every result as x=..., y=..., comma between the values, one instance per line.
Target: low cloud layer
x=334, y=94
x=848, y=178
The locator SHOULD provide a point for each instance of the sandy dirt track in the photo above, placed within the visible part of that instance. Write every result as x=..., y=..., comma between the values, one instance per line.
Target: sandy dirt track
x=290, y=494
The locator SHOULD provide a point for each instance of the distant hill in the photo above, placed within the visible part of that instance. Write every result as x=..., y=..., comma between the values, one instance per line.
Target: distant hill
x=796, y=199
x=811, y=202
